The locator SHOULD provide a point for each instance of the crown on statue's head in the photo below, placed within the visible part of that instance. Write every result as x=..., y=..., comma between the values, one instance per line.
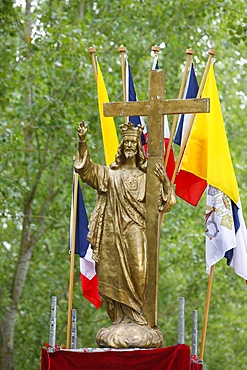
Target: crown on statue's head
x=128, y=129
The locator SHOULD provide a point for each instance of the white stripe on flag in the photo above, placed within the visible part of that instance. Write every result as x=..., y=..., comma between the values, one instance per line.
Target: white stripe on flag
x=220, y=232
x=87, y=264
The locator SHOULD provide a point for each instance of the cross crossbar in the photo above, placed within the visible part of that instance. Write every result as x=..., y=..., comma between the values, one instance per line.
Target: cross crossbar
x=144, y=108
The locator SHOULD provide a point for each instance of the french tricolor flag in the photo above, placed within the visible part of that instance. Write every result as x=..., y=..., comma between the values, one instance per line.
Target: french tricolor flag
x=189, y=187
x=89, y=279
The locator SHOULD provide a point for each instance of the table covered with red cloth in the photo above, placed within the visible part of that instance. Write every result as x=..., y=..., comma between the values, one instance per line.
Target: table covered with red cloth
x=175, y=357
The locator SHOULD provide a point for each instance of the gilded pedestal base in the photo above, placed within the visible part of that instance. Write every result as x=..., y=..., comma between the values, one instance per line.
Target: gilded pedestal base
x=129, y=335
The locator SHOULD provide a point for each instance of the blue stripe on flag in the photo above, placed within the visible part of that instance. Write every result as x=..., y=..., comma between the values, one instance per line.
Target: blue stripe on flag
x=132, y=97
x=81, y=242
x=190, y=94
x=229, y=254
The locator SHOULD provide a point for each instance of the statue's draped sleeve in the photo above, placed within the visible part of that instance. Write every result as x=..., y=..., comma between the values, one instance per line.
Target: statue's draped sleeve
x=97, y=177
x=93, y=174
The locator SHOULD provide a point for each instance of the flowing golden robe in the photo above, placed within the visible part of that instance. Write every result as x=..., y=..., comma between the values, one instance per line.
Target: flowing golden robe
x=117, y=235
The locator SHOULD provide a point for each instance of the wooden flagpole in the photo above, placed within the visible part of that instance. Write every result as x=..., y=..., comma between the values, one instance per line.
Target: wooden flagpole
x=92, y=52
x=205, y=322
x=178, y=162
x=72, y=260
x=189, y=53
x=187, y=133
x=210, y=281
x=122, y=50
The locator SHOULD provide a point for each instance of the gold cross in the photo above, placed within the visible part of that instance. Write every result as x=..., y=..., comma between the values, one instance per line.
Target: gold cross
x=155, y=108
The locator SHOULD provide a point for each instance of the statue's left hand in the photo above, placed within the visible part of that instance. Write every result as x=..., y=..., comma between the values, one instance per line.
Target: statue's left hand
x=160, y=172
x=168, y=195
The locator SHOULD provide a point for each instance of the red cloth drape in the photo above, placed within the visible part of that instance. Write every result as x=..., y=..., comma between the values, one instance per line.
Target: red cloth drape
x=170, y=358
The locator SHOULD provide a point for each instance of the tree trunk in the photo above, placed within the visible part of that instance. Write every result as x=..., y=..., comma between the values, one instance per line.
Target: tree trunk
x=22, y=264
x=6, y=339
x=8, y=320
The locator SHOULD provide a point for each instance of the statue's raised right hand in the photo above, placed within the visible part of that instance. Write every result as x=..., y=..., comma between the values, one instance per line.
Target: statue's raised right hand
x=82, y=131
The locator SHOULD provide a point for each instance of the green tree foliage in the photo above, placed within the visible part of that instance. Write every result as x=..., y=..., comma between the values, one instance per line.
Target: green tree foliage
x=47, y=87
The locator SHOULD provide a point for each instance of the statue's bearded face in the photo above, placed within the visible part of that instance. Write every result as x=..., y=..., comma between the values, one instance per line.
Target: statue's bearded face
x=130, y=146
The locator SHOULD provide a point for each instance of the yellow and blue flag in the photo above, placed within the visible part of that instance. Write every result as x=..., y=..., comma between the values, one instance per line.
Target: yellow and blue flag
x=207, y=156
x=207, y=153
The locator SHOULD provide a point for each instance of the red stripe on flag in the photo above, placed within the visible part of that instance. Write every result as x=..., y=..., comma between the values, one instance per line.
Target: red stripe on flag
x=189, y=187
x=90, y=290
x=170, y=167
